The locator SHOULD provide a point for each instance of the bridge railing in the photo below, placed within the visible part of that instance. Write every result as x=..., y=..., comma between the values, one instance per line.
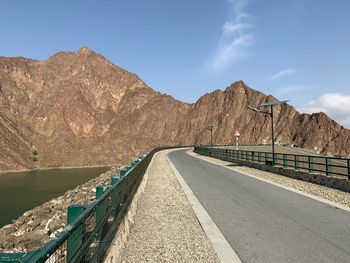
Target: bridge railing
x=329, y=166
x=91, y=228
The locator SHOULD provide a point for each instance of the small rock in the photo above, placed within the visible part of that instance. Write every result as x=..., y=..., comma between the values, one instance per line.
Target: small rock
x=7, y=244
x=27, y=214
x=19, y=232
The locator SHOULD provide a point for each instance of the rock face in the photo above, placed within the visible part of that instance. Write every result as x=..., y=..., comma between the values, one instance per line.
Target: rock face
x=227, y=111
x=77, y=108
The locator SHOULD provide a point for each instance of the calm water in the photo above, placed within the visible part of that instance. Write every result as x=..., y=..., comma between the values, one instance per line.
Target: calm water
x=23, y=191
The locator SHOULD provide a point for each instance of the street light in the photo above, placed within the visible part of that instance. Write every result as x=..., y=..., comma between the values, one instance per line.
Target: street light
x=269, y=104
x=196, y=137
x=210, y=127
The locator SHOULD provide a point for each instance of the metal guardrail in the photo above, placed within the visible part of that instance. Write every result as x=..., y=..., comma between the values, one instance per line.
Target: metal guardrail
x=91, y=228
x=329, y=166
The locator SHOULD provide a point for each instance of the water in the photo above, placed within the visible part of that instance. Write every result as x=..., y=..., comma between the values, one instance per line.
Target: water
x=23, y=191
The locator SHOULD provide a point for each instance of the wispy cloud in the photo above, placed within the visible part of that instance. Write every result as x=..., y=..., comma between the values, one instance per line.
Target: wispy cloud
x=296, y=88
x=235, y=39
x=283, y=73
x=336, y=105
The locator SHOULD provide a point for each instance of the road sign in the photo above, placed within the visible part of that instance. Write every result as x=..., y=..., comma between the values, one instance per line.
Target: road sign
x=237, y=134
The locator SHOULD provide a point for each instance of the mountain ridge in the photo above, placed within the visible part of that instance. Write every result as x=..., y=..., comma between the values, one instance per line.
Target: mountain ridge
x=78, y=108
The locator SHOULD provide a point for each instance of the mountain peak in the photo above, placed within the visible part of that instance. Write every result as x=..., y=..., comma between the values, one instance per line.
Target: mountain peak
x=239, y=84
x=85, y=50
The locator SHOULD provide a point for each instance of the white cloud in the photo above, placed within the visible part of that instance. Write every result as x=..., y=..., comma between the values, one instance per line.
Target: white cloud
x=283, y=73
x=335, y=105
x=234, y=38
x=296, y=88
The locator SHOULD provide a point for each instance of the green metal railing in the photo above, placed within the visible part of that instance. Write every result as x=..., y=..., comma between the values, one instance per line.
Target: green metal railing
x=91, y=228
x=330, y=166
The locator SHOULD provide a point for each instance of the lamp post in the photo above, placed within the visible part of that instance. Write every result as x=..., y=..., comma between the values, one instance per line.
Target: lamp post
x=210, y=127
x=271, y=105
x=196, y=137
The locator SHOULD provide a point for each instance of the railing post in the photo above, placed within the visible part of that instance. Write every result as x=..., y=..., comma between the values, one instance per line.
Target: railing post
x=253, y=157
x=328, y=166
x=99, y=191
x=115, y=180
x=285, y=160
x=296, y=162
x=311, y=163
x=123, y=172
x=75, y=240
x=348, y=169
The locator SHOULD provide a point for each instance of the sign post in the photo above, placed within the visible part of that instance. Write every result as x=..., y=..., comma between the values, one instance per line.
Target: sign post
x=237, y=134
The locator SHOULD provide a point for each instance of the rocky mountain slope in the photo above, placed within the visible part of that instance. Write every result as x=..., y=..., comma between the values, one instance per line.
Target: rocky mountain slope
x=227, y=111
x=77, y=108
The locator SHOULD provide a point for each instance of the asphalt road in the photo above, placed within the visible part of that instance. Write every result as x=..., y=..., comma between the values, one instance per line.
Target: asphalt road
x=263, y=222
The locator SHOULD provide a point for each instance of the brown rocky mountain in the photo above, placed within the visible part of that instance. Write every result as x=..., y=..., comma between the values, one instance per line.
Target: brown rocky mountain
x=227, y=111
x=77, y=108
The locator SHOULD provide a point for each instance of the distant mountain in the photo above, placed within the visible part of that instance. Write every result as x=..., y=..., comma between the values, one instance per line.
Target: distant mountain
x=77, y=108
x=227, y=110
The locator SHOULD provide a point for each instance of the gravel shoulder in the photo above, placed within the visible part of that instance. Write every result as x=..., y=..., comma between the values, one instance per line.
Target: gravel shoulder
x=330, y=194
x=165, y=226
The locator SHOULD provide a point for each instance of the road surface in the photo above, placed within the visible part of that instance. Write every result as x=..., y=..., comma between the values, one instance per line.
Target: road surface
x=263, y=222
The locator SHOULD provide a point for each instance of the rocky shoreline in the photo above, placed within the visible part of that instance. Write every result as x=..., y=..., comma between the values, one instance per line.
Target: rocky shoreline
x=36, y=227
x=54, y=168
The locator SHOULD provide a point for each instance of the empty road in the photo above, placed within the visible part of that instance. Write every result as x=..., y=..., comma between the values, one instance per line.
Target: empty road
x=263, y=222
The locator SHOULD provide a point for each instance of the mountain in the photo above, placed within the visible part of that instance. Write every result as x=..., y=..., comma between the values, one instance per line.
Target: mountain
x=227, y=111
x=77, y=108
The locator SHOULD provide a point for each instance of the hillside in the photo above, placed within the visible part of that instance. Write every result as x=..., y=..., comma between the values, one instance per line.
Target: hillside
x=77, y=108
x=227, y=111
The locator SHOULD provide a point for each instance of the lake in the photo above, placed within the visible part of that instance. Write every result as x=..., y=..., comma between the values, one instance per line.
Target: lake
x=23, y=191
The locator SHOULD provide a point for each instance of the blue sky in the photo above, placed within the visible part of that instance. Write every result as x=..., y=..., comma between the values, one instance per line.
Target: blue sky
x=296, y=49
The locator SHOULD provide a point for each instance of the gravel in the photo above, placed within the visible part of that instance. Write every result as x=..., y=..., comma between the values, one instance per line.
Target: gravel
x=330, y=194
x=166, y=228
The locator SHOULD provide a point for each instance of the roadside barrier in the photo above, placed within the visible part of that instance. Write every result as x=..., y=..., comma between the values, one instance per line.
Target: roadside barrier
x=329, y=166
x=91, y=228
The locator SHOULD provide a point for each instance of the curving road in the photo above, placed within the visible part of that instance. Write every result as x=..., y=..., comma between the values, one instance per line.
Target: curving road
x=263, y=222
